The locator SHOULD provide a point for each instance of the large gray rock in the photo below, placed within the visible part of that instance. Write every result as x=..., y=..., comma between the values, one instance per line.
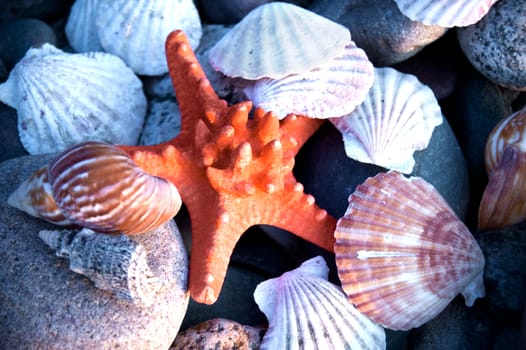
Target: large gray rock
x=44, y=305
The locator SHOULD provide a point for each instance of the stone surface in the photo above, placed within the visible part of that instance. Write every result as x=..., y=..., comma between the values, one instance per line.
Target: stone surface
x=45, y=305
x=17, y=36
x=47, y=10
x=163, y=122
x=218, y=334
x=229, y=11
x=496, y=45
x=10, y=145
x=379, y=28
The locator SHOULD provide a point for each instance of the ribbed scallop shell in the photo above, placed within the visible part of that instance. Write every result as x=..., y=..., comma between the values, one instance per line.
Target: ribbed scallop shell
x=80, y=28
x=136, y=30
x=278, y=39
x=445, y=13
x=402, y=254
x=333, y=90
x=114, y=263
x=396, y=118
x=503, y=203
x=63, y=99
x=306, y=311
x=98, y=186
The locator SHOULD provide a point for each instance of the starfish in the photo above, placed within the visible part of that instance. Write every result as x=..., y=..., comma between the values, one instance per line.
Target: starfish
x=232, y=171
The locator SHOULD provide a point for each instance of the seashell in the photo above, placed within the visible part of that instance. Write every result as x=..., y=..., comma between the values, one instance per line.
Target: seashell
x=402, y=254
x=136, y=30
x=64, y=98
x=98, y=186
x=396, y=118
x=332, y=90
x=445, y=13
x=80, y=27
x=502, y=203
x=306, y=311
x=278, y=39
x=113, y=262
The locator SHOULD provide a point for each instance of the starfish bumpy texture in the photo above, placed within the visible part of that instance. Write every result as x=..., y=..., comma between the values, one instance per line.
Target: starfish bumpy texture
x=232, y=171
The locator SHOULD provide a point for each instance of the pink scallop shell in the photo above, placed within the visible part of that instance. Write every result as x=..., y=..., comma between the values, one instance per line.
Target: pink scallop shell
x=402, y=254
x=445, y=13
x=332, y=90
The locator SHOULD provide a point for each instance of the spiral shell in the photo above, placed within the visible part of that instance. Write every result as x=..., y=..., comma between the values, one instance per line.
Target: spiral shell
x=98, y=186
x=63, y=99
x=402, y=254
x=445, y=13
x=136, y=30
x=114, y=263
x=306, y=311
x=502, y=203
x=396, y=119
x=278, y=39
x=80, y=28
x=332, y=90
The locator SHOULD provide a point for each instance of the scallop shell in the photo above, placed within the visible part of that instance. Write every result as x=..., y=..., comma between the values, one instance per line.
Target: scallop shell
x=402, y=254
x=278, y=39
x=136, y=30
x=98, y=186
x=396, y=118
x=63, y=99
x=114, y=263
x=333, y=90
x=503, y=203
x=445, y=13
x=80, y=28
x=306, y=311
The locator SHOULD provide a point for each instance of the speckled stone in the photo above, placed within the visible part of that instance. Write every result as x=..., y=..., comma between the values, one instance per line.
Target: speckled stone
x=379, y=28
x=17, y=36
x=163, y=122
x=496, y=45
x=219, y=334
x=44, y=305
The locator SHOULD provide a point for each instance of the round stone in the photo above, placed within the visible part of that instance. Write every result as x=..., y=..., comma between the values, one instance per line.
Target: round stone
x=496, y=45
x=43, y=304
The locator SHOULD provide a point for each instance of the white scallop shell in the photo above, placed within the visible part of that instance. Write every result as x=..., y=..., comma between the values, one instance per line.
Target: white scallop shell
x=445, y=13
x=396, y=118
x=333, y=90
x=63, y=99
x=80, y=28
x=278, y=39
x=306, y=311
x=113, y=262
x=402, y=254
x=136, y=30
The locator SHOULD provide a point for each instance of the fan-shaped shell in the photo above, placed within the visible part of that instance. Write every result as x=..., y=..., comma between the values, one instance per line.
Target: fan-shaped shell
x=402, y=254
x=80, y=28
x=278, y=39
x=63, y=99
x=396, y=118
x=503, y=203
x=333, y=90
x=306, y=311
x=136, y=30
x=445, y=13
x=113, y=262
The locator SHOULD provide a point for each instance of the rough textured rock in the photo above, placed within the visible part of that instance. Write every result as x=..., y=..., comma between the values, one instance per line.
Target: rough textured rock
x=218, y=334
x=229, y=11
x=47, y=10
x=10, y=145
x=45, y=305
x=496, y=45
x=379, y=28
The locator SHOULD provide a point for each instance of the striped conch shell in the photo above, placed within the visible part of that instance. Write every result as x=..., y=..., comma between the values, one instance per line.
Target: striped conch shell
x=98, y=186
x=113, y=262
x=402, y=254
x=503, y=201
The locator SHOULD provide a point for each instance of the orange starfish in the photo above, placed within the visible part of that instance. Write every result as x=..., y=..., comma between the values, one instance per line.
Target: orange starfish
x=232, y=172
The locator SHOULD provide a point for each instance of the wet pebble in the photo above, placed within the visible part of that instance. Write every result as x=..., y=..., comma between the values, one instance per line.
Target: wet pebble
x=45, y=305
x=220, y=334
x=379, y=28
x=229, y=11
x=496, y=45
x=47, y=10
x=17, y=36
x=10, y=145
